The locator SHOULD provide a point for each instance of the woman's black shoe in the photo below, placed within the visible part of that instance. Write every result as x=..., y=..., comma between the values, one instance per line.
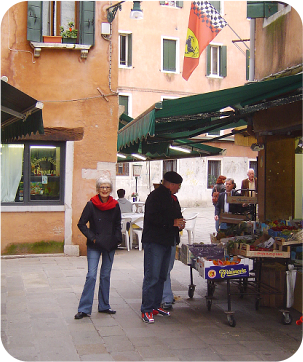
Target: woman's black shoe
x=108, y=311
x=80, y=315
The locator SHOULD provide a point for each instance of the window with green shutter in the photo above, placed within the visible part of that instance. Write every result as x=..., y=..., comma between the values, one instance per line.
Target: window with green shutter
x=175, y=4
x=125, y=44
x=216, y=5
x=216, y=60
x=169, y=55
x=46, y=17
x=261, y=9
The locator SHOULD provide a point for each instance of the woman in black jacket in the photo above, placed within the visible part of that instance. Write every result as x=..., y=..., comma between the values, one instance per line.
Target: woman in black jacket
x=103, y=236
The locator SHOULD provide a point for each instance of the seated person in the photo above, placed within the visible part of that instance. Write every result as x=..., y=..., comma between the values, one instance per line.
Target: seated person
x=222, y=204
x=125, y=205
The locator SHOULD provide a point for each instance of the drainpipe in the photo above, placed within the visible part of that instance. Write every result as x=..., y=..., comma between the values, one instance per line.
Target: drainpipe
x=252, y=50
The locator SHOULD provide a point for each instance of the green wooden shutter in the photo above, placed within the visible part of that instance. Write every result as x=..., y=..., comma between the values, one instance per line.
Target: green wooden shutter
x=87, y=22
x=179, y=4
x=216, y=5
x=129, y=52
x=162, y=2
x=223, y=61
x=34, y=21
x=208, y=60
x=123, y=101
x=169, y=55
x=261, y=9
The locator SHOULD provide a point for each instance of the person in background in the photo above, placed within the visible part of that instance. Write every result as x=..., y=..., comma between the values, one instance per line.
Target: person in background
x=103, y=235
x=222, y=204
x=250, y=183
x=162, y=222
x=125, y=205
x=217, y=189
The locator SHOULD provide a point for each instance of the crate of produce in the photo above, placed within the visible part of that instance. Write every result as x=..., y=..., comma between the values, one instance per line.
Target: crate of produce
x=210, y=251
x=253, y=251
x=209, y=269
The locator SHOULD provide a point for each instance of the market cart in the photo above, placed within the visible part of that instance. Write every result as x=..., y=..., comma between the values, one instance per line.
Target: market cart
x=244, y=269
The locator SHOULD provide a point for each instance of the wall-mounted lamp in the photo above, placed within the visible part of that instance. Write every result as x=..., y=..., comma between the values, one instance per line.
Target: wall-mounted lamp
x=136, y=12
x=137, y=173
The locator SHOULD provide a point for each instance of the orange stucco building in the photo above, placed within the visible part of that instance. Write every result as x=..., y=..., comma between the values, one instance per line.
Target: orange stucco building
x=78, y=120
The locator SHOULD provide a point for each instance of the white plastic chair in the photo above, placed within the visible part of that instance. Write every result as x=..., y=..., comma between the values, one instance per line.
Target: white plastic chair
x=190, y=225
x=128, y=238
x=138, y=230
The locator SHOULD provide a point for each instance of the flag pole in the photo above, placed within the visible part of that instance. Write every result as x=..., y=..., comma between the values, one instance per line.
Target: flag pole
x=237, y=35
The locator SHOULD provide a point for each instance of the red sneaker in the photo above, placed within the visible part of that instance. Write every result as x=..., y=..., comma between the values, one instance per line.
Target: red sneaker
x=148, y=317
x=161, y=311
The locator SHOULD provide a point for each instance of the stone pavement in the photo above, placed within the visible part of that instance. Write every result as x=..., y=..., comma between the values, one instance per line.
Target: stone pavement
x=40, y=296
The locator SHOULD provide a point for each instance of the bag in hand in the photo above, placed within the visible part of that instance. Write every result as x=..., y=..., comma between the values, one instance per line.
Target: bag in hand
x=215, y=196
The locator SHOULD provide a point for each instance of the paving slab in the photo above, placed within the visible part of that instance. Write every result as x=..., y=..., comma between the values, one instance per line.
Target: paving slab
x=40, y=296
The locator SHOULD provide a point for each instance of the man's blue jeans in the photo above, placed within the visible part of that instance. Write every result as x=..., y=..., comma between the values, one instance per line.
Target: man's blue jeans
x=156, y=262
x=168, y=295
x=87, y=297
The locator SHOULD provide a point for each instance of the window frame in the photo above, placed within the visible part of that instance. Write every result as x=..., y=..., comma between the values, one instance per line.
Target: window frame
x=129, y=102
x=177, y=55
x=27, y=176
x=128, y=49
x=125, y=169
x=209, y=186
x=221, y=61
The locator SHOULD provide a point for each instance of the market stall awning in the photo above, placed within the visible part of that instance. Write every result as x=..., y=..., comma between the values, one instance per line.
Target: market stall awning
x=170, y=121
x=21, y=114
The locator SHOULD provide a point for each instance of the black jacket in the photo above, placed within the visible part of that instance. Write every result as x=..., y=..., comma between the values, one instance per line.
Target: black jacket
x=160, y=211
x=104, y=227
x=233, y=208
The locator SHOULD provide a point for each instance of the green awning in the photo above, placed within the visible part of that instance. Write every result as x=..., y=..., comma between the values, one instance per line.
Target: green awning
x=188, y=117
x=21, y=114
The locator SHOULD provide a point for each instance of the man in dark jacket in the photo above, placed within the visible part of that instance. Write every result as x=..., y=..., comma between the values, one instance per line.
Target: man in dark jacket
x=222, y=204
x=162, y=222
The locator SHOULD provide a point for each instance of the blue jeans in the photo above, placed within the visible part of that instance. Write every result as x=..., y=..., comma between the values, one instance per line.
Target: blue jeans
x=168, y=295
x=87, y=297
x=156, y=262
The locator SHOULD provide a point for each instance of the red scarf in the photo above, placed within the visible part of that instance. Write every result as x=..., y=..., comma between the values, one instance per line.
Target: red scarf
x=109, y=204
x=174, y=197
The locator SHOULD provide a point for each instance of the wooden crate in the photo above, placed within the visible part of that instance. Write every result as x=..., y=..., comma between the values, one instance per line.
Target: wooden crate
x=278, y=252
x=231, y=218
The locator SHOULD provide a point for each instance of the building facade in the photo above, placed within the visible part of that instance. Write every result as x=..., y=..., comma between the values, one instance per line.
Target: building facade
x=151, y=53
x=77, y=85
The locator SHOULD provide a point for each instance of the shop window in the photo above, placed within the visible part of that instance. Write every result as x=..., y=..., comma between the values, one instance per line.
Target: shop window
x=122, y=169
x=214, y=171
x=32, y=174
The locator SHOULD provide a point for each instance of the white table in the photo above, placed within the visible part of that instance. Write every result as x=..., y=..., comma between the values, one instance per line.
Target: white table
x=139, y=205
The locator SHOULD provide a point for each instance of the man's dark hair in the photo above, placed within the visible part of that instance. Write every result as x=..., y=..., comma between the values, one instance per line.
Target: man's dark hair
x=121, y=193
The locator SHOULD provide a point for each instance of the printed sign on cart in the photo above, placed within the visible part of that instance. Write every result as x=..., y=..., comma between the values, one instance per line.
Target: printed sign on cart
x=230, y=271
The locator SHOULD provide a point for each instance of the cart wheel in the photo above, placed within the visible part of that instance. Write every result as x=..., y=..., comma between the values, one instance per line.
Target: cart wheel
x=286, y=318
x=191, y=290
x=231, y=320
x=209, y=303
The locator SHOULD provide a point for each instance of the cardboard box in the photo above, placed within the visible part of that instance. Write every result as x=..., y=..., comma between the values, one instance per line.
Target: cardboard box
x=208, y=270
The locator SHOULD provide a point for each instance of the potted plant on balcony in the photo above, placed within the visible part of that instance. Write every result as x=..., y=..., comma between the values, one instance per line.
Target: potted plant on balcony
x=70, y=35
